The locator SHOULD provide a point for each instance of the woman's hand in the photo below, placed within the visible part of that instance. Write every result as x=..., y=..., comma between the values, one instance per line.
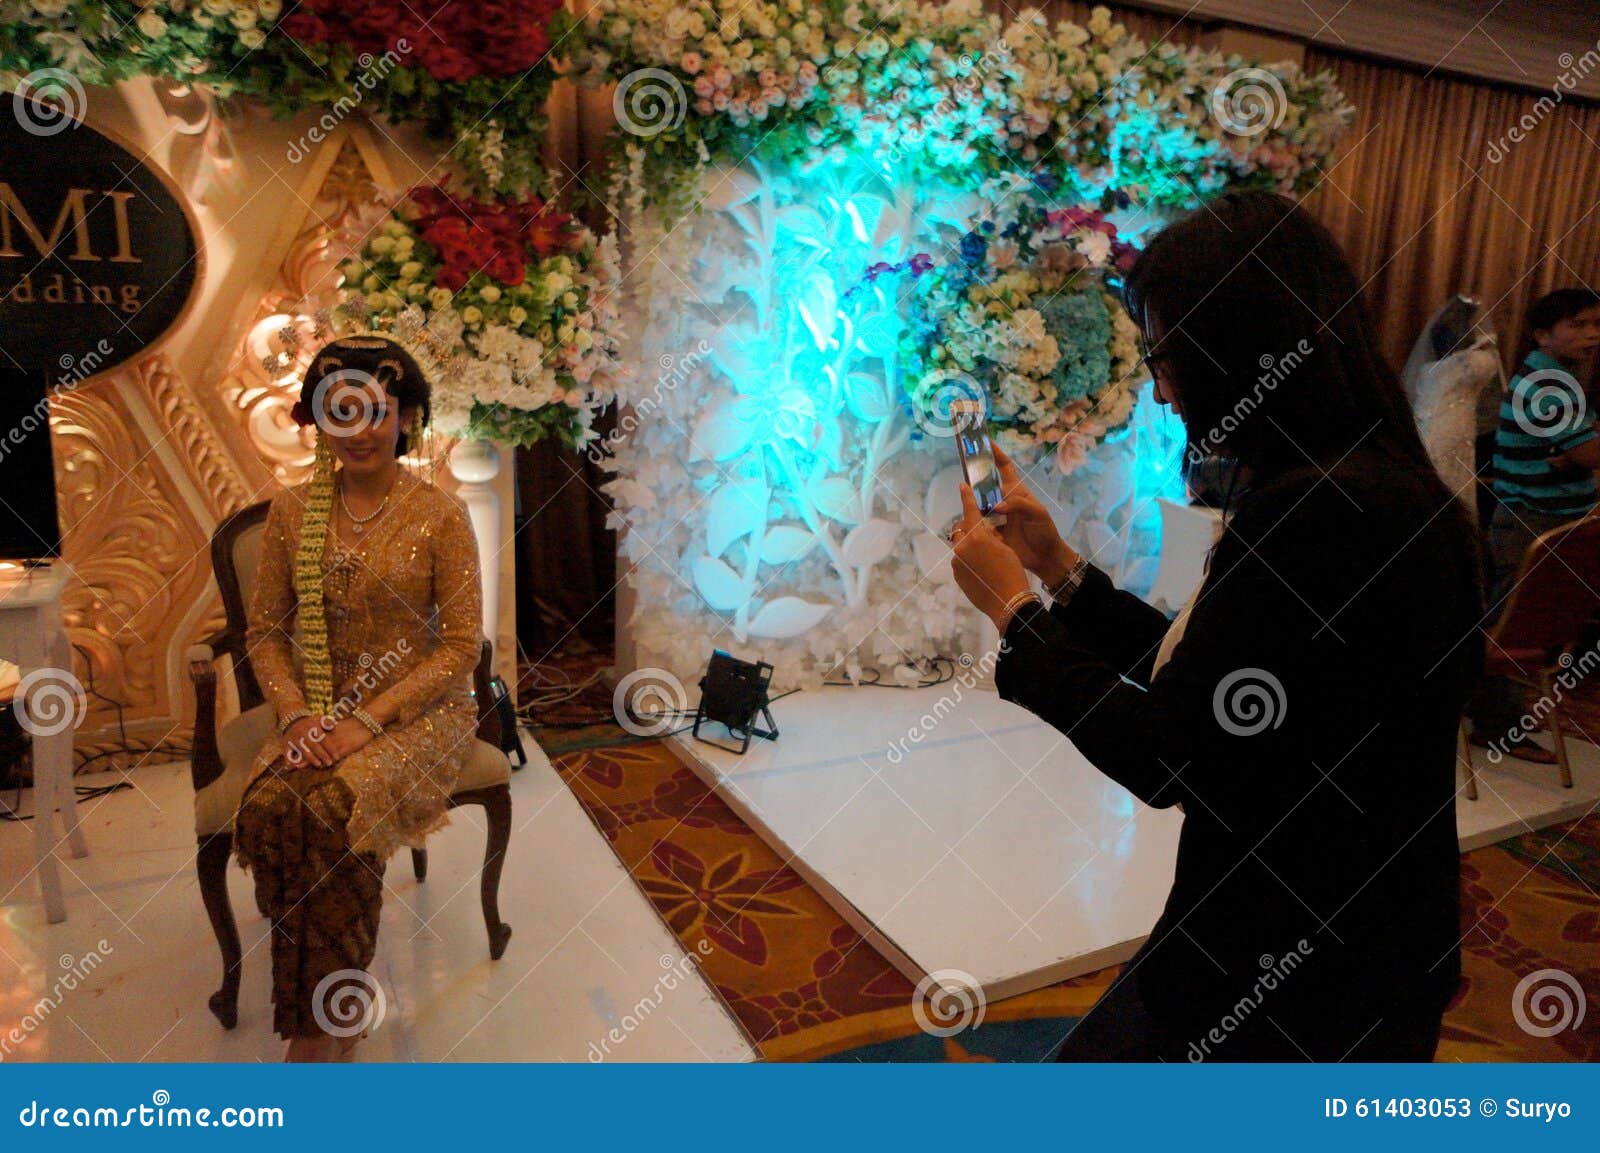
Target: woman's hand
x=346, y=737
x=323, y=742
x=987, y=571
x=1028, y=530
x=306, y=743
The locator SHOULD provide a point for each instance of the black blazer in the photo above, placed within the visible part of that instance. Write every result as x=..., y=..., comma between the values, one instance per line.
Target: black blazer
x=1325, y=816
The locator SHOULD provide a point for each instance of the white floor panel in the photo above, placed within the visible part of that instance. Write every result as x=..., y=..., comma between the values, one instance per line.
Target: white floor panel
x=959, y=833
x=588, y=954
x=989, y=847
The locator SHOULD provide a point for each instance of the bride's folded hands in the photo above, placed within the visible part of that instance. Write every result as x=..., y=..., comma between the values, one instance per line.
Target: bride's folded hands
x=986, y=570
x=1029, y=530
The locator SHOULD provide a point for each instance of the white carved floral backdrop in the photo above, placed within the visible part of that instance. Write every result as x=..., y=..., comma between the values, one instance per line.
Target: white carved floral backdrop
x=777, y=494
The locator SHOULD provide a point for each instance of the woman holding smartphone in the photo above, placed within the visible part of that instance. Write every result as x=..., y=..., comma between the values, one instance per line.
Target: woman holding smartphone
x=1303, y=710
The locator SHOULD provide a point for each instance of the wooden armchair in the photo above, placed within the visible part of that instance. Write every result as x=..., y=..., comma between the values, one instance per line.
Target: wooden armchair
x=222, y=757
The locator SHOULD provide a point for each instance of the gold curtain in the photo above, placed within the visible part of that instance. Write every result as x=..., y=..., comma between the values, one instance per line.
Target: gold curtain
x=1424, y=212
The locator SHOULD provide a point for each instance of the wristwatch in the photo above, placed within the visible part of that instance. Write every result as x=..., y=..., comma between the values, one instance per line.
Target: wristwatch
x=1062, y=591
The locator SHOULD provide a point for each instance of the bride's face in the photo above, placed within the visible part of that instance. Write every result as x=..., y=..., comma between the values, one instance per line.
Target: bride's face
x=362, y=420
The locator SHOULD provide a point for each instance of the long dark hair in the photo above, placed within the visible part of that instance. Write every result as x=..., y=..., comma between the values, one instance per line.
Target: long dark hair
x=1272, y=354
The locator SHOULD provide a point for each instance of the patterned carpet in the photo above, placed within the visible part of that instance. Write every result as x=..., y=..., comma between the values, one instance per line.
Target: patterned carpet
x=805, y=986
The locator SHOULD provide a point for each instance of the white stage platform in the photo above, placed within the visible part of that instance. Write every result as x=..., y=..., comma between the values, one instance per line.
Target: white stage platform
x=990, y=849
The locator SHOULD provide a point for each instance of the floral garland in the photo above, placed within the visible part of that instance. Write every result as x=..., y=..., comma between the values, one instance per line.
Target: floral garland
x=1026, y=317
x=522, y=299
x=476, y=75
x=947, y=91
x=317, y=664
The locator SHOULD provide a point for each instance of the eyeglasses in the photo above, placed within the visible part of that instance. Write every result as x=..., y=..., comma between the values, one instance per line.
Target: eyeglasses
x=1149, y=359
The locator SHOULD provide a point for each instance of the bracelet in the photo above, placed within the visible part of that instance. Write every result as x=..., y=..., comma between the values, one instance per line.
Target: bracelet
x=290, y=718
x=368, y=720
x=1015, y=603
x=1062, y=591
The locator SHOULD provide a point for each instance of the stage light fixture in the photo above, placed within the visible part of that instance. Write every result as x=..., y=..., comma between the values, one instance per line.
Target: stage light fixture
x=733, y=693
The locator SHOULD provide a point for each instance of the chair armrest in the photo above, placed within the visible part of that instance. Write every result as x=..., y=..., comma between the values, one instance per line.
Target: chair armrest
x=231, y=642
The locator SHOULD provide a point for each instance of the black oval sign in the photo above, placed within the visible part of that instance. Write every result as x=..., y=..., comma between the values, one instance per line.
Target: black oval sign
x=98, y=256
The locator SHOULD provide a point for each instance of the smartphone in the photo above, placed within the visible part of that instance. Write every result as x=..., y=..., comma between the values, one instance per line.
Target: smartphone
x=977, y=456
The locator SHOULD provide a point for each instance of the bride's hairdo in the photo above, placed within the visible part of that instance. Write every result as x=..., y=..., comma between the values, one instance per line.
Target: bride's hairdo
x=383, y=360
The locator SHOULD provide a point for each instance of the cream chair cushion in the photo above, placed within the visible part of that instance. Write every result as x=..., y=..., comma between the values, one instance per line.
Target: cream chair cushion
x=240, y=739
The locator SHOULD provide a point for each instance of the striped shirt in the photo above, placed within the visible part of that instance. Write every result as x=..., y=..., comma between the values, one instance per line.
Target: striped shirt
x=1544, y=412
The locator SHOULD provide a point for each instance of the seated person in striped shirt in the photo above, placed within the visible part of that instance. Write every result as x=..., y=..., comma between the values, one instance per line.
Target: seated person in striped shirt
x=1546, y=451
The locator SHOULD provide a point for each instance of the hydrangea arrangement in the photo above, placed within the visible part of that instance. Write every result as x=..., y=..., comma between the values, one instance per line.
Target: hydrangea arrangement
x=1025, y=316
x=521, y=300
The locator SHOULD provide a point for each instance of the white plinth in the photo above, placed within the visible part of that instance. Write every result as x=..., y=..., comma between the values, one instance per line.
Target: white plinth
x=990, y=846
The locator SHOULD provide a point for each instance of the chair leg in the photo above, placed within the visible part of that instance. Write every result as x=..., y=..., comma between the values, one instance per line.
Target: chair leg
x=212, y=865
x=1464, y=753
x=1556, y=731
x=497, y=807
x=419, y=864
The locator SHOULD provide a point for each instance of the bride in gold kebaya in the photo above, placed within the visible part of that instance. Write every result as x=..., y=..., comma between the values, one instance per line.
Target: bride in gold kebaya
x=364, y=631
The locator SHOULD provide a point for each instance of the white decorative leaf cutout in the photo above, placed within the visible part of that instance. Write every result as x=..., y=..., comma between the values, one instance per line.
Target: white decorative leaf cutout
x=819, y=303
x=629, y=493
x=718, y=584
x=835, y=497
x=725, y=430
x=867, y=396
x=734, y=510
x=805, y=224
x=729, y=189
x=870, y=542
x=943, y=502
x=787, y=617
x=879, y=334
x=786, y=542
x=933, y=557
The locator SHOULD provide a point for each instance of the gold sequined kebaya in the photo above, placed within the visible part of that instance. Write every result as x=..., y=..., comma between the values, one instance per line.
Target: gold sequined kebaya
x=404, y=617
